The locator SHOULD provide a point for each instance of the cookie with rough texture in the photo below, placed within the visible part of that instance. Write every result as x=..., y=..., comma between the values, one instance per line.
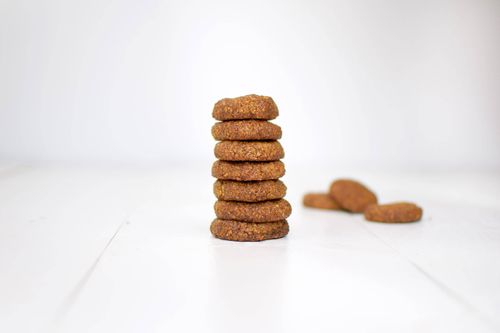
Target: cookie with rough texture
x=249, y=151
x=321, y=201
x=264, y=211
x=248, y=231
x=352, y=195
x=246, y=130
x=394, y=212
x=249, y=191
x=245, y=107
x=248, y=171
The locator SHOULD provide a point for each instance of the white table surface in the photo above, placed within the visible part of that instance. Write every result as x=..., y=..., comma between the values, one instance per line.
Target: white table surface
x=129, y=250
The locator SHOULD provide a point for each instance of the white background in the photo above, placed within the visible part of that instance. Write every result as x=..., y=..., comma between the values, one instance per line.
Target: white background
x=388, y=85
x=403, y=95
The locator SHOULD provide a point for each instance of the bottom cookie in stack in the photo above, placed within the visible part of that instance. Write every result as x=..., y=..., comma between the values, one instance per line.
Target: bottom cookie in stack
x=250, y=221
x=248, y=231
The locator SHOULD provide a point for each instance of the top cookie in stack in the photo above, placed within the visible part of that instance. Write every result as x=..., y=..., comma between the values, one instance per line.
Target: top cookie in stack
x=250, y=204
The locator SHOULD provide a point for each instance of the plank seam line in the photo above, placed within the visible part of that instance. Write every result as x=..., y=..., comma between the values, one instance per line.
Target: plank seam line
x=439, y=284
x=71, y=299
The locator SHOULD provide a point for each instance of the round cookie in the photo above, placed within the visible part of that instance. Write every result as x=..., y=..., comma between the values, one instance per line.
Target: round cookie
x=248, y=171
x=245, y=107
x=248, y=231
x=258, y=151
x=321, y=201
x=352, y=195
x=397, y=212
x=246, y=130
x=265, y=211
x=249, y=191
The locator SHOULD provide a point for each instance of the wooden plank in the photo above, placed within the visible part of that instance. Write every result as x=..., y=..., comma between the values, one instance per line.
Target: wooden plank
x=54, y=223
x=458, y=248
x=164, y=272
x=123, y=250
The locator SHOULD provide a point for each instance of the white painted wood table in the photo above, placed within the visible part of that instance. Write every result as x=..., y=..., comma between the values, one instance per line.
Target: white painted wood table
x=117, y=250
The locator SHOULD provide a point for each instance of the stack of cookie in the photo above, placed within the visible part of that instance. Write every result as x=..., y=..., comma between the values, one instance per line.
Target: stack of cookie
x=250, y=204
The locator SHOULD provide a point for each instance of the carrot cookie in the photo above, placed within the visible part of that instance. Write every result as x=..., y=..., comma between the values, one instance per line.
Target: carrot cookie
x=247, y=171
x=246, y=130
x=245, y=107
x=249, y=151
x=265, y=211
x=352, y=195
x=394, y=212
x=248, y=231
x=321, y=201
x=249, y=191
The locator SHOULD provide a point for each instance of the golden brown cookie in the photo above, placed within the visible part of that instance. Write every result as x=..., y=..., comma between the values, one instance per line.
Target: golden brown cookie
x=352, y=195
x=321, y=201
x=394, y=212
x=258, y=151
x=246, y=130
x=264, y=211
x=248, y=171
x=248, y=231
x=245, y=107
x=249, y=191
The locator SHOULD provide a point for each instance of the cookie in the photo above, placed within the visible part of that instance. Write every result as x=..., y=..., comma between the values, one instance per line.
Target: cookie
x=394, y=212
x=247, y=171
x=249, y=191
x=248, y=231
x=245, y=107
x=321, y=201
x=246, y=130
x=352, y=195
x=265, y=211
x=249, y=151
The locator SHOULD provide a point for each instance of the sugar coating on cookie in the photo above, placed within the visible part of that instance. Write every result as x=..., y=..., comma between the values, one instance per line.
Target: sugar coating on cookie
x=248, y=231
x=265, y=211
x=397, y=212
x=246, y=130
x=321, y=201
x=248, y=171
x=352, y=195
x=249, y=151
x=249, y=191
x=245, y=107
